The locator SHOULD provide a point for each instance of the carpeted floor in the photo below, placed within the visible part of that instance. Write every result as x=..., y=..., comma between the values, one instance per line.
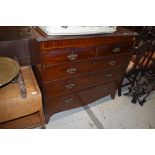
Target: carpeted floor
x=107, y=114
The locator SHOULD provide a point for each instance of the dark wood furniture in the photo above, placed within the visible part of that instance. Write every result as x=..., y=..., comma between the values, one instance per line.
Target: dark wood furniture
x=20, y=42
x=141, y=71
x=77, y=70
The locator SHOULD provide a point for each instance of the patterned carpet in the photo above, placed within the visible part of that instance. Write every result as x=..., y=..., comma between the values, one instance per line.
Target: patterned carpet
x=107, y=114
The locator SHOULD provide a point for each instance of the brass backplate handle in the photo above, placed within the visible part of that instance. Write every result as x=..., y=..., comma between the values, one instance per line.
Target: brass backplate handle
x=109, y=75
x=104, y=89
x=116, y=50
x=67, y=101
x=72, y=56
x=112, y=63
x=69, y=86
x=71, y=70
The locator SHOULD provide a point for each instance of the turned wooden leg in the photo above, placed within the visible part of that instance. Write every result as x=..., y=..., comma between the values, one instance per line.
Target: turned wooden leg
x=42, y=119
x=47, y=118
x=112, y=96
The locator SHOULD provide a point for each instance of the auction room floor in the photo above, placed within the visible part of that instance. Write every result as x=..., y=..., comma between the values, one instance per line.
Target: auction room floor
x=107, y=114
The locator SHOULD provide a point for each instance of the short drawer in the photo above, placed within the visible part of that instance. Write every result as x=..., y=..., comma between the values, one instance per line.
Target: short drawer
x=113, y=49
x=69, y=70
x=78, y=99
x=56, y=56
x=62, y=87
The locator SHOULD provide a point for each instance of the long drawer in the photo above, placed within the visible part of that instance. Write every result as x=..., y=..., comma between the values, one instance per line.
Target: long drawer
x=62, y=87
x=78, y=99
x=68, y=70
x=56, y=56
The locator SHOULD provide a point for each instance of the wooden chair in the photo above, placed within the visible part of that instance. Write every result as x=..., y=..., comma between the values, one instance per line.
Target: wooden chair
x=141, y=70
x=139, y=63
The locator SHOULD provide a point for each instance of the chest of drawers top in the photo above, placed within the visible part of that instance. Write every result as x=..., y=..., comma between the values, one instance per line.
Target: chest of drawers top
x=52, y=42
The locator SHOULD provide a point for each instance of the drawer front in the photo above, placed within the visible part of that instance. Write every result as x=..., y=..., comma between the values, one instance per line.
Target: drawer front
x=78, y=99
x=113, y=49
x=82, y=42
x=62, y=87
x=56, y=56
x=68, y=70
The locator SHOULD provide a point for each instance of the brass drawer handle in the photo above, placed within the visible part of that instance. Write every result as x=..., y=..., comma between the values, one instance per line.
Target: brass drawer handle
x=112, y=63
x=72, y=56
x=71, y=70
x=68, y=101
x=116, y=50
x=104, y=89
x=108, y=75
x=69, y=86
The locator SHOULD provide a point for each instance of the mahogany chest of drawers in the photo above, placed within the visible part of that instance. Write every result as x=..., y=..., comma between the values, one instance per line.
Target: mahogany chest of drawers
x=77, y=70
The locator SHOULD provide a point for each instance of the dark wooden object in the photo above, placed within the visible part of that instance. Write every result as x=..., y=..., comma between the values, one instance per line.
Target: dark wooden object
x=77, y=70
x=20, y=42
x=143, y=59
x=140, y=75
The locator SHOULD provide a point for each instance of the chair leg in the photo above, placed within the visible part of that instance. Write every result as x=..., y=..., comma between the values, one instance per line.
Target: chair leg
x=119, y=86
x=42, y=119
x=120, y=91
